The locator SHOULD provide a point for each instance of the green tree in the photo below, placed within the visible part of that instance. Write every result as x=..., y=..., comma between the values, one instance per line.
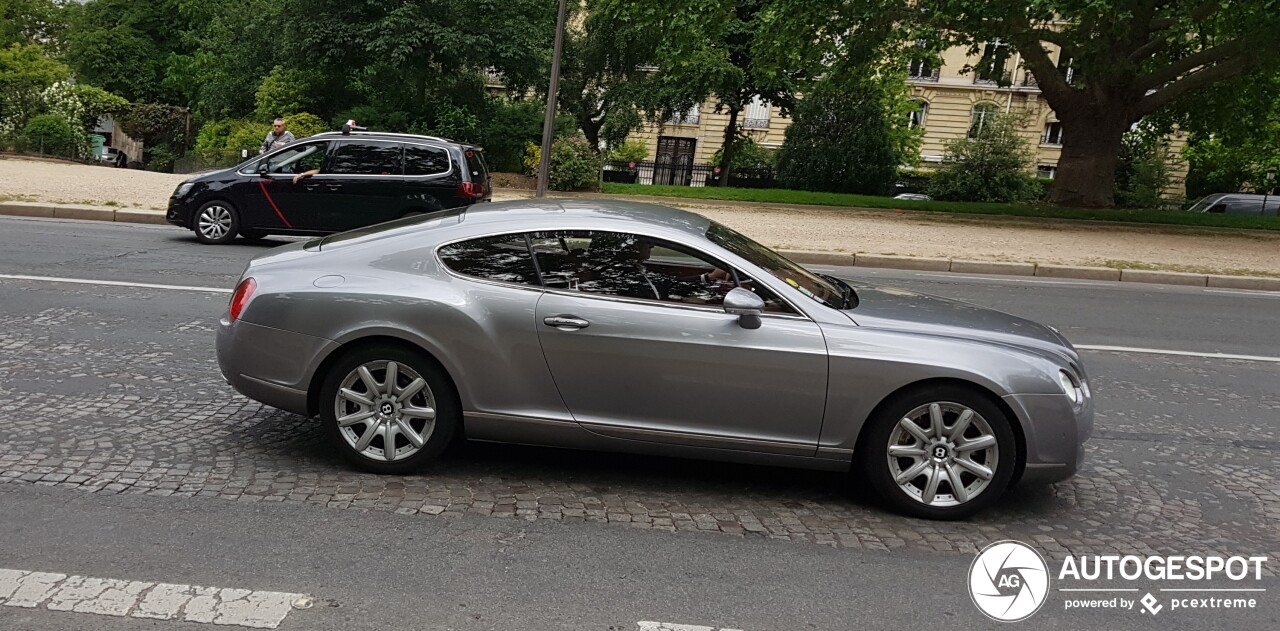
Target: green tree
x=284, y=91
x=29, y=22
x=699, y=48
x=1143, y=168
x=1129, y=59
x=991, y=166
x=747, y=154
x=603, y=61
x=848, y=137
x=53, y=134
x=25, y=73
x=1234, y=136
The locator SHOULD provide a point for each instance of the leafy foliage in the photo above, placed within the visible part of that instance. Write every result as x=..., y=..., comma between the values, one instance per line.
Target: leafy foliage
x=844, y=139
x=284, y=91
x=993, y=166
x=575, y=166
x=630, y=151
x=747, y=154
x=1143, y=172
x=53, y=134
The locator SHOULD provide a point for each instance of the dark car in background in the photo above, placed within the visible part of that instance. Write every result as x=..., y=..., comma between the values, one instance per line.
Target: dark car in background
x=329, y=183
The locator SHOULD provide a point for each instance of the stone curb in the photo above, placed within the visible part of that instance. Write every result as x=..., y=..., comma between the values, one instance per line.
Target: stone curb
x=1257, y=283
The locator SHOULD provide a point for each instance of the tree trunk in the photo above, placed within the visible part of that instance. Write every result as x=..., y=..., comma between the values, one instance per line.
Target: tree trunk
x=591, y=130
x=726, y=152
x=1090, y=149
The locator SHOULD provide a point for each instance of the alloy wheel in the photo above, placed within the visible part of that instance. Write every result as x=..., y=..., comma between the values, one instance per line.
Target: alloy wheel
x=943, y=454
x=214, y=222
x=385, y=410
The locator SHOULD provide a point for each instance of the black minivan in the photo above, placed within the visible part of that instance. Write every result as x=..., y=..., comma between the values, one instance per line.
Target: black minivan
x=331, y=182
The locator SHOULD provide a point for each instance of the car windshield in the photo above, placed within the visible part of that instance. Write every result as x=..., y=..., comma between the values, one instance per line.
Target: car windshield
x=802, y=280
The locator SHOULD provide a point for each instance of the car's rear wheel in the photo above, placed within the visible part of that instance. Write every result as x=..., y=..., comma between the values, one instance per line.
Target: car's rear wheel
x=217, y=223
x=939, y=452
x=388, y=409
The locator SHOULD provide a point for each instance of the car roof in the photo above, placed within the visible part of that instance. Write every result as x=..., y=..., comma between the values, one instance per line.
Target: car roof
x=387, y=136
x=531, y=216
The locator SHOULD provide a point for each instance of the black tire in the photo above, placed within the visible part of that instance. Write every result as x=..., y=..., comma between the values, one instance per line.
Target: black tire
x=252, y=235
x=439, y=389
x=216, y=223
x=878, y=469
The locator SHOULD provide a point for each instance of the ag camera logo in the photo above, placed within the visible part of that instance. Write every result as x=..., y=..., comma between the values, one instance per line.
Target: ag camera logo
x=1008, y=581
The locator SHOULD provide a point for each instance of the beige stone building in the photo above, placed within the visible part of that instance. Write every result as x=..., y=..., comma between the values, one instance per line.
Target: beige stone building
x=952, y=104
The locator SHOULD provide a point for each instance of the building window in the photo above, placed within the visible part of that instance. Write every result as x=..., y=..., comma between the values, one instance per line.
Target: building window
x=756, y=114
x=917, y=116
x=991, y=68
x=689, y=117
x=983, y=115
x=1047, y=171
x=922, y=70
x=1052, y=133
x=1067, y=70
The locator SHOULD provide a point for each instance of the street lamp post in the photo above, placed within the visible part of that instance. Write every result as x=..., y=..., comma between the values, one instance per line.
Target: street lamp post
x=1271, y=178
x=549, y=124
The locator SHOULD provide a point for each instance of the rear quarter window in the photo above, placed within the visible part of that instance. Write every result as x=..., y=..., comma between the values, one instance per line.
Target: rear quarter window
x=504, y=258
x=423, y=160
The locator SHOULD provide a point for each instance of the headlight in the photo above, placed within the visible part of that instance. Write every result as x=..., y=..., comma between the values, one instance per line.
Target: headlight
x=1070, y=387
x=183, y=189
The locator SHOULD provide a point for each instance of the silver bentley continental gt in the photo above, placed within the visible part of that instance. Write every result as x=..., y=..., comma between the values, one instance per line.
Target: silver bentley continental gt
x=639, y=328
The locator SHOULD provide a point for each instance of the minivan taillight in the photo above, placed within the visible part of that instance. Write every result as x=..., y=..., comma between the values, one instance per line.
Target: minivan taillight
x=470, y=189
x=241, y=298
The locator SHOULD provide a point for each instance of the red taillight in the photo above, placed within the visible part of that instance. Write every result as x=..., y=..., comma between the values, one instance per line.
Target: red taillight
x=470, y=189
x=241, y=298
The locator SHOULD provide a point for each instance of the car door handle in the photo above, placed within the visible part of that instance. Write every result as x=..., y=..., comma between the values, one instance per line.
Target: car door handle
x=334, y=187
x=311, y=187
x=566, y=322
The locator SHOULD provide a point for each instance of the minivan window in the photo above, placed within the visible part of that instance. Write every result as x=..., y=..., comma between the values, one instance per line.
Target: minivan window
x=423, y=160
x=367, y=158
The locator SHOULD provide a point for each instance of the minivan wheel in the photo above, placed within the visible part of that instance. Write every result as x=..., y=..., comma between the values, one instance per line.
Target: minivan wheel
x=388, y=409
x=939, y=452
x=216, y=223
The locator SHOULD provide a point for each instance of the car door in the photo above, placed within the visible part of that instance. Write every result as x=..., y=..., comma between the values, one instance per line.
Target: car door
x=362, y=186
x=279, y=202
x=638, y=354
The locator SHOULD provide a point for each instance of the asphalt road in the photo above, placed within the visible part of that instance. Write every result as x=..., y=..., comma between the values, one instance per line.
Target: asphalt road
x=123, y=455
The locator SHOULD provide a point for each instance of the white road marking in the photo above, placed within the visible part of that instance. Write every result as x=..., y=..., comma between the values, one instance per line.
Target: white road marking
x=1256, y=293
x=113, y=283
x=141, y=599
x=1158, y=351
x=671, y=626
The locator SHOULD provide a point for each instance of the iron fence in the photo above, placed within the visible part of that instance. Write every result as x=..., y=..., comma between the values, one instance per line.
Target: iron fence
x=649, y=172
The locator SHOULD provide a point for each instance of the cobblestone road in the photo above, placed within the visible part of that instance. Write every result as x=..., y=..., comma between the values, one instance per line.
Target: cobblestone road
x=118, y=392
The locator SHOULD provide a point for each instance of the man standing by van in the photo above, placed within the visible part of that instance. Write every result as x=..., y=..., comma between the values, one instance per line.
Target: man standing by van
x=277, y=137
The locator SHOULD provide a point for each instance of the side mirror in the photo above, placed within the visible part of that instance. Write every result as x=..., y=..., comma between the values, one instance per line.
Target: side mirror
x=746, y=305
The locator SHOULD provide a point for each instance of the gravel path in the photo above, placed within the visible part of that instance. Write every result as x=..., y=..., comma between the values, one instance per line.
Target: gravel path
x=818, y=229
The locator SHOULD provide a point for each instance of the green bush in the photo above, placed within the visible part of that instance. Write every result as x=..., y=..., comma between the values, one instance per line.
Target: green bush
x=1142, y=170
x=994, y=166
x=631, y=151
x=843, y=140
x=574, y=165
x=284, y=90
x=52, y=134
x=747, y=154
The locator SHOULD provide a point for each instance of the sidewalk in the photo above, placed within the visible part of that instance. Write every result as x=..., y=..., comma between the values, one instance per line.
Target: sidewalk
x=782, y=228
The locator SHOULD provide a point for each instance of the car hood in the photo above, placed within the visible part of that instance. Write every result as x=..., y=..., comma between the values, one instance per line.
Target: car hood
x=902, y=310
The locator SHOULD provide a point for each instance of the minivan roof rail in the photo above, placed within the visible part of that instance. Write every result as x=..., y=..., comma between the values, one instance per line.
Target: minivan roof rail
x=381, y=133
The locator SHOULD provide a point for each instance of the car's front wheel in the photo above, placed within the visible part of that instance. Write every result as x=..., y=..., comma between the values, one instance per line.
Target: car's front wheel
x=388, y=409
x=939, y=452
x=217, y=223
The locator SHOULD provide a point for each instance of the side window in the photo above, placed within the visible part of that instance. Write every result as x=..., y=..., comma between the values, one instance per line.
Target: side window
x=423, y=160
x=367, y=158
x=296, y=159
x=632, y=266
x=502, y=258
